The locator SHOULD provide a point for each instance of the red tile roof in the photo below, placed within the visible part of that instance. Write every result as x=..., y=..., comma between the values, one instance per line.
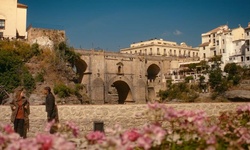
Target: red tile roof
x=204, y=44
x=217, y=29
x=19, y=5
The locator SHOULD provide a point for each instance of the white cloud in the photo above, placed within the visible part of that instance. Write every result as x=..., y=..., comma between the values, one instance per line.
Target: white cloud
x=177, y=32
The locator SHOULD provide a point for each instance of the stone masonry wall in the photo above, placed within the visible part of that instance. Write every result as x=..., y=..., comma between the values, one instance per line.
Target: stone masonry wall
x=126, y=115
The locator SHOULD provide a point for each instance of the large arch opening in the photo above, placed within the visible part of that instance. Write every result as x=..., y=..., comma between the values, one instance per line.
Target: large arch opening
x=152, y=71
x=123, y=91
x=81, y=67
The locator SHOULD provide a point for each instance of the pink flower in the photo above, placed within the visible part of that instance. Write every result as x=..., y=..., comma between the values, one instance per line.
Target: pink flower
x=95, y=136
x=46, y=140
x=8, y=129
x=131, y=135
x=144, y=142
x=156, y=133
x=243, y=108
x=73, y=127
x=156, y=106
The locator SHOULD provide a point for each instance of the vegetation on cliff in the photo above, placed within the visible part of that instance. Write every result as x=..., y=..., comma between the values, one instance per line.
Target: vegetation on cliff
x=29, y=66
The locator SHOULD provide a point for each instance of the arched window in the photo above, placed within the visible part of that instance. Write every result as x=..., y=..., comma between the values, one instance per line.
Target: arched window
x=119, y=68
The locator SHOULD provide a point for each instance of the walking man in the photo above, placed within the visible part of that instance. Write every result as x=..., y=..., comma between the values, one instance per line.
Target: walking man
x=50, y=105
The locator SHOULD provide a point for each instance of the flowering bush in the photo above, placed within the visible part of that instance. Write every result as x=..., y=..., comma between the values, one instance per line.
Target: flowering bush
x=167, y=128
x=10, y=140
x=178, y=129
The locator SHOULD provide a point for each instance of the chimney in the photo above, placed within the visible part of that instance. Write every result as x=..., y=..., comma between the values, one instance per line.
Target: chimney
x=248, y=24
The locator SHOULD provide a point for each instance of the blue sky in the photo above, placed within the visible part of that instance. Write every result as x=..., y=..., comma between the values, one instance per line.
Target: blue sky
x=115, y=24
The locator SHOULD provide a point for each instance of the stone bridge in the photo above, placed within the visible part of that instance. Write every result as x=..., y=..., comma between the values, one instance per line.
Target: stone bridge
x=117, y=78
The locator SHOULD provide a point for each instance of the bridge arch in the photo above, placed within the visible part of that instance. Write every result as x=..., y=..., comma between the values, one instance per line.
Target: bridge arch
x=153, y=72
x=121, y=88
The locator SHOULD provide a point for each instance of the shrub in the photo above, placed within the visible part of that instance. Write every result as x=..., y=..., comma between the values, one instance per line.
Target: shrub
x=28, y=82
x=189, y=78
x=62, y=90
x=39, y=77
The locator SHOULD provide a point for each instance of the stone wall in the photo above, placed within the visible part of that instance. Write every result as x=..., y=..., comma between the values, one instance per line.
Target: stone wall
x=126, y=115
x=45, y=37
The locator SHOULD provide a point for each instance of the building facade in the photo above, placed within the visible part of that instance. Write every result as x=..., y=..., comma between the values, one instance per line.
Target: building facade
x=159, y=47
x=225, y=42
x=247, y=45
x=13, y=16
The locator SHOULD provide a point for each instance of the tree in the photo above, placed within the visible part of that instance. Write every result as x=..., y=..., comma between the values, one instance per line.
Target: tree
x=234, y=72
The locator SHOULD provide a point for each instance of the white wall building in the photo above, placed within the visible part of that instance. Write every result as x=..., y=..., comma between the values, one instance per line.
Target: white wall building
x=13, y=17
x=224, y=42
x=247, y=46
x=159, y=47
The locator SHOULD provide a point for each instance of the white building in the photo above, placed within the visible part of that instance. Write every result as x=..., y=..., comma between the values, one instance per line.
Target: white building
x=224, y=42
x=247, y=46
x=159, y=47
x=13, y=17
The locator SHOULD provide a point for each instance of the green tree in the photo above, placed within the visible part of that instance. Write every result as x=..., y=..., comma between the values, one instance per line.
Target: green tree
x=217, y=82
x=234, y=72
x=13, y=56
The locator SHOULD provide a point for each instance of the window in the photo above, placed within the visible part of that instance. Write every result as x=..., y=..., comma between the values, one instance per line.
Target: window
x=165, y=52
x=158, y=51
x=248, y=58
x=247, y=33
x=204, y=55
x=223, y=41
x=224, y=51
x=217, y=42
x=204, y=47
x=2, y=24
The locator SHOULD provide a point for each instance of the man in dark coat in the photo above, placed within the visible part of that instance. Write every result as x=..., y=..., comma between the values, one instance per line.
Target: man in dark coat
x=50, y=105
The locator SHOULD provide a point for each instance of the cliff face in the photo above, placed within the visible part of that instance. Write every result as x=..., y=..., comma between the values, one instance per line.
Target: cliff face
x=53, y=73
